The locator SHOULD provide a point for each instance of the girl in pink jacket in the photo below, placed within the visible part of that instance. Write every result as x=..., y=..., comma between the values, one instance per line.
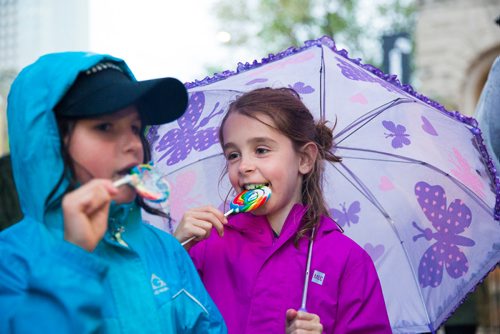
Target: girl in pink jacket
x=254, y=266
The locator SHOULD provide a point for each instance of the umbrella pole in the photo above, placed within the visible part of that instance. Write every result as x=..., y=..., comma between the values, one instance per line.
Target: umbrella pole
x=308, y=267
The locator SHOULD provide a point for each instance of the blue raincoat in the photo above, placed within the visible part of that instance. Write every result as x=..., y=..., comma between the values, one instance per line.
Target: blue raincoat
x=488, y=113
x=48, y=285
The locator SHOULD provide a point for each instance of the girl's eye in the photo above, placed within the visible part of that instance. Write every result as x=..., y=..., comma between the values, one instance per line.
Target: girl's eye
x=136, y=129
x=232, y=156
x=105, y=127
x=261, y=150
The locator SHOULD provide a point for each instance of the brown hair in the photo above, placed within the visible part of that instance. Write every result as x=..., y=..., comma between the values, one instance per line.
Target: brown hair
x=293, y=119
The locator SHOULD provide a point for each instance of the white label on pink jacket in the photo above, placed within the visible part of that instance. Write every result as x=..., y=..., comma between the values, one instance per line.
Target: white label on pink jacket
x=318, y=277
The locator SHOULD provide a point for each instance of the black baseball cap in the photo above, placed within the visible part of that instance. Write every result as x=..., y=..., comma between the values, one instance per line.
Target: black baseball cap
x=106, y=88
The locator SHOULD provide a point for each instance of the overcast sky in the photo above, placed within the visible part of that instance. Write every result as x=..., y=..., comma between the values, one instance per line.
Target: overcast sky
x=161, y=37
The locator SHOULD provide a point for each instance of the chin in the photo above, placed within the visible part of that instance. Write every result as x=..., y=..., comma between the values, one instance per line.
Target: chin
x=125, y=196
x=259, y=212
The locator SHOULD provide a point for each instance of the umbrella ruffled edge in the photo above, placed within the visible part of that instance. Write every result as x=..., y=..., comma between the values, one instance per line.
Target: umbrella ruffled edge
x=390, y=78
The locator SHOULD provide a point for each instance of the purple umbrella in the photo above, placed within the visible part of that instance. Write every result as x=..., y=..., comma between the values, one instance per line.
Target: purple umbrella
x=416, y=187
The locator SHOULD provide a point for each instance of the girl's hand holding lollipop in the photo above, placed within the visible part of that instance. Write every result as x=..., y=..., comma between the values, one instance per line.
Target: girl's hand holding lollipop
x=86, y=208
x=85, y=212
x=198, y=222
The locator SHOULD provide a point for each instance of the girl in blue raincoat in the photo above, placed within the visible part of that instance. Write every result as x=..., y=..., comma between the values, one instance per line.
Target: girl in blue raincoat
x=81, y=260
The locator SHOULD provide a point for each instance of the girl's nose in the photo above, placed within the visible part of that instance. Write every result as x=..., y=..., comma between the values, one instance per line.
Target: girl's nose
x=132, y=143
x=246, y=166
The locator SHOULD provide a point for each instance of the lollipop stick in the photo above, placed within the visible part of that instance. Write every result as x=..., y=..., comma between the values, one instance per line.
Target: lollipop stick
x=191, y=238
x=188, y=240
x=245, y=201
x=127, y=179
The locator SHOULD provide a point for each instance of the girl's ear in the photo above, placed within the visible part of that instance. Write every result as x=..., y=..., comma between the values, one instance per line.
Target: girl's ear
x=308, y=154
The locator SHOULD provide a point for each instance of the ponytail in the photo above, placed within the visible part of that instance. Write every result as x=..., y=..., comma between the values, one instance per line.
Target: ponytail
x=312, y=183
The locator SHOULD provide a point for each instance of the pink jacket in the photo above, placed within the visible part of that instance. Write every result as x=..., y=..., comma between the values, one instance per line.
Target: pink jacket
x=254, y=277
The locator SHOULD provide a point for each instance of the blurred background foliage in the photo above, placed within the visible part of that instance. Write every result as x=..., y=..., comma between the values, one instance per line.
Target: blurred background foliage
x=274, y=25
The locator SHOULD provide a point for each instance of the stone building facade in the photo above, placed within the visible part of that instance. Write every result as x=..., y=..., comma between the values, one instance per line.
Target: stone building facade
x=456, y=44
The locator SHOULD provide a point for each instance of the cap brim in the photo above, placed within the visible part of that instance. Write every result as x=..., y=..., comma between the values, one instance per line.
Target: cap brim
x=160, y=100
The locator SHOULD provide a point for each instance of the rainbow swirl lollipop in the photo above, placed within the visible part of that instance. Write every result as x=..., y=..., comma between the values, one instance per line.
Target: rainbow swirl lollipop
x=147, y=182
x=249, y=200
x=245, y=201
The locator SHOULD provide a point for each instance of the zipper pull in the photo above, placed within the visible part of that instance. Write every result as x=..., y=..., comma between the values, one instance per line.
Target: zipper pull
x=118, y=237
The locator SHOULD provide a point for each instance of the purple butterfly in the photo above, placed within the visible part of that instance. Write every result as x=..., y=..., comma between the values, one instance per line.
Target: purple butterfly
x=427, y=127
x=398, y=133
x=256, y=81
x=343, y=216
x=448, y=222
x=178, y=143
x=302, y=88
x=353, y=72
x=152, y=134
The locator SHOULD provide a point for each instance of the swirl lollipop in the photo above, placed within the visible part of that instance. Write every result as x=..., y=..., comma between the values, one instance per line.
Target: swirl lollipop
x=147, y=182
x=249, y=200
x=245, y=201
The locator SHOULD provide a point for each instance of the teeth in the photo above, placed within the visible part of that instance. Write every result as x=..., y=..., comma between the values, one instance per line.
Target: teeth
x=254, y=186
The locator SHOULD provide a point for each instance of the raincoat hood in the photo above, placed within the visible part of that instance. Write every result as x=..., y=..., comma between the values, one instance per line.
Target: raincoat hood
x=138, y=279
x=34, y=139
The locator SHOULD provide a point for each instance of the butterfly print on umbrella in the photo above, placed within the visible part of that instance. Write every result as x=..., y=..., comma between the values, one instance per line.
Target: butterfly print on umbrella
x=184, y=196
x=359, y=98
x=301, y=58
x=353, y=72
x=427, y=126
x=299, y=86
x=151, y=134
x=398, y=134
x=375, y=251
x=256, y=81
x=386, y=184
x=178, y=143
x=346, y=216
x=302, y=88
x=466, y=174
x=448, y=222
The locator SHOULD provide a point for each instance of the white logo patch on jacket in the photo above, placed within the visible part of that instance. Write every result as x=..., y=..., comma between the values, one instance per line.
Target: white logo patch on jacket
x=158, y=284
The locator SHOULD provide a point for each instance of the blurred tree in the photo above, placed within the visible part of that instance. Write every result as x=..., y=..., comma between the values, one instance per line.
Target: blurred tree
x=6, y=78
x=10, y=211
x=273, y=25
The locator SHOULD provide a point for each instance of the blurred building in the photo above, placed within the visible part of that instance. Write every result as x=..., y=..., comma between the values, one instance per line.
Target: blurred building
x=456, y=43
x=30, y=28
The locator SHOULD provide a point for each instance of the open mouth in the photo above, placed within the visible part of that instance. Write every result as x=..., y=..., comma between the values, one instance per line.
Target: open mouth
x=125, y=171
x=250, y=186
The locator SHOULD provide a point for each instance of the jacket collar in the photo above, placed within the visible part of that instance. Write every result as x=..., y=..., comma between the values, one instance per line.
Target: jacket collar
x=248, y=223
